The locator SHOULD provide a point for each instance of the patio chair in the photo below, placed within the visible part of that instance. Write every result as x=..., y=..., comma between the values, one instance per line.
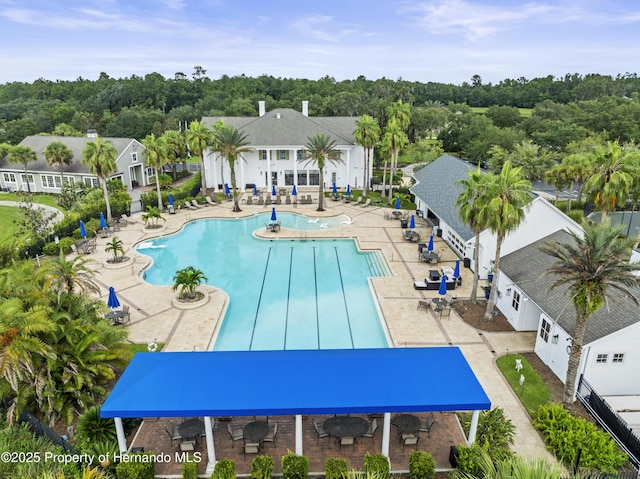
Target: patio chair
x=236, y=433
x=189, y=205
x=126, y=314
x=409, y=440
x=173, y=432
x=366, y=203
x=348, y=441
x=372, y=429
x=172, y=210
x=261, y=418
x=445, y=312
x=187, y=446
x=423, y=304
x=319, y=431
x=252, y=448
x=271, y=435
x=428, y=424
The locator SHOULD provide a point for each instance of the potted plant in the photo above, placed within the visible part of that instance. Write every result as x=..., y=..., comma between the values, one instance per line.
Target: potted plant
x=487, y=291
x=151, y=217
x=490, y=273
x=185, y=281
x=116, y=248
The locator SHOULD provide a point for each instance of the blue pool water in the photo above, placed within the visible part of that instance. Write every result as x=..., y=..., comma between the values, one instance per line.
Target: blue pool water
x=284, y=294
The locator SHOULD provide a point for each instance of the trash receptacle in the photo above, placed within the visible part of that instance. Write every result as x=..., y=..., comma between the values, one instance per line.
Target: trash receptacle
x=467, y=263
x=404, y=224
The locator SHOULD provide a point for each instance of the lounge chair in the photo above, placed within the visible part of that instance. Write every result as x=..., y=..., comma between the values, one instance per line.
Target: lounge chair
x=189, y=205
x=210, y=201
x=196, y=204
x=366, y=203
x=172, y=210
x=358, y=201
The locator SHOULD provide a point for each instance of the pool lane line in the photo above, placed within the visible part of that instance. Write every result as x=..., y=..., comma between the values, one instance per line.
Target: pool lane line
x=344, y=296
x=286, y=317
x=255, y=319
x=315, y=280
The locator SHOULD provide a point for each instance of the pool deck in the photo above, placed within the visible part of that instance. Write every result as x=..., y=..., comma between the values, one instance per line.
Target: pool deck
x=154, y=315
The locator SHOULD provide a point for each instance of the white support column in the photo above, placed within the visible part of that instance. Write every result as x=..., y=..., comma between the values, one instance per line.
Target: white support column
x=242, y=182
x=214, y=170
x=473, y=428
x=122, y=440
x=299, y=434
x=269, y=183
x=348, y=162
x=211, y=450
x=295, y=169
x=386, y=431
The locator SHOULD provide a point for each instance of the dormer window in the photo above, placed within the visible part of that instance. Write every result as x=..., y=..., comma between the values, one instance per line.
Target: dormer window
x=134, y=157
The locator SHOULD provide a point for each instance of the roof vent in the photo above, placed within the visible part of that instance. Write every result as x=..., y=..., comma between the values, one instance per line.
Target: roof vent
x=305, y=108
x=278, y=115
x=261, y=108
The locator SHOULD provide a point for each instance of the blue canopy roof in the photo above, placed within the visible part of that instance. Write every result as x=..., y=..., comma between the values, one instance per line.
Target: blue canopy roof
x=248, y=383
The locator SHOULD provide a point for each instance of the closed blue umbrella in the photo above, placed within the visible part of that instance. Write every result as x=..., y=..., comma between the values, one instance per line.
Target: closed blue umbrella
x=443, y=286
x=83, y=230
x=348, y=190
x=227, y=191
x=334, y=190
x=295, y=191
x=273, y=214
x=273, y=190
x=412, y=223
x=103, y=223
x=456, y=269
x=171, y=199
x=112, y=301
x=430, y=245
x=397, y=202
x=255, y=190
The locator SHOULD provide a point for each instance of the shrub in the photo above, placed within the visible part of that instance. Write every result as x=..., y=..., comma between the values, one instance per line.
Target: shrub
x=294, y=466
x=137, y=470
x=189, y=470
x=565, y=434
x=92, y=428
x=51, y=249
x=576, y=215
x=377, y=465
x=470, y=458
x=494, y=429
x=422, y=465
x=225, y=469
x=336, y=468
x=65, y=244
x=262, y=467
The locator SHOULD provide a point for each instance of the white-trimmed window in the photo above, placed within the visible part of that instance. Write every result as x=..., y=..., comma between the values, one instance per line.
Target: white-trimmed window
x=545, y=328
x=602, y=358
x=283, y=155
x=618, y=358
x=262, y=155
x=69, y=180
x=24, y=177
x=515, y=302
x=299, y=154
x=51, y=181
x=92, y=182
x=9, y=177
x=134, y=157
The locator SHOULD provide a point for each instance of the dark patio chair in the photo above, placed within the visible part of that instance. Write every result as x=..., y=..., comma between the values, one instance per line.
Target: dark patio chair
x=426, y=427
x=409, y=440
x=126, y=314
x=251, y=448
x=173, y=432
x=271, y=435
x=348, y=441
x=236, y=433
x=372, y=429
x=319, y=430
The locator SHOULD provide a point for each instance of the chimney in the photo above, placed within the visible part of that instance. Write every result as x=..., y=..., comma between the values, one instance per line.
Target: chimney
x=305, y=108
x=261, y=110
x=92, y=133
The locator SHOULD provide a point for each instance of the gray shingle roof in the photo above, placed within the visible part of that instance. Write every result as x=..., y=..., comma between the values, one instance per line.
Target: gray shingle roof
x=436, y=185
x=291, y=129
x=526, y=267
x=75, y=143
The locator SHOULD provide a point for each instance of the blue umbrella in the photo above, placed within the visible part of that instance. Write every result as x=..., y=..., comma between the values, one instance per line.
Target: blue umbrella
x=112, y=301
x=103, y=223
x=273, y=214
x=255, y=190
x=412, y=223
x=171, y=199
x=227, y=191
x=273, y=190
x=334, y=190
x=430, y=245
x=397, y=202
x=456, y=269
x=348, y=190
x=443, y=286
x=295, y=191
x=83, y=230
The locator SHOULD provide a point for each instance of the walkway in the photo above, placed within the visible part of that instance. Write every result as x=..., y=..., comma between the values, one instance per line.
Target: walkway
x=154, y=316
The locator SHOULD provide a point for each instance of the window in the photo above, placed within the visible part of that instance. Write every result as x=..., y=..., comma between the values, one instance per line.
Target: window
x=602, y=358
x=288, y=177
x=51, y=181
x=283, y=155
x=134, y=157
x=23, y=177
x=9, y=177
x=618, y=358
x=93, y=182
x=334, y=177
x=299, y=154
x=515, y=302
x=262, y=155
x=302, y=178
x=314, y=177
x=544, y=330
x=69, y=180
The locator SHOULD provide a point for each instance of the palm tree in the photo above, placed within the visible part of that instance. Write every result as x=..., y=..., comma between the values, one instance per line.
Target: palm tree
x=503, y=204
x=115, y=247
x=470, y=206
x=321, y=149
x=186, y=280
x=152, y=216
x=198, y=138
x=58, y=154
x=176, y=148
x=64, y=275
x=591, y=268
x=231, y=143
x=100, y=156
x=367, y=134
x=23, y=155
x=580, y=168
x=614, y=169
x=394, y=140
x=155, y=156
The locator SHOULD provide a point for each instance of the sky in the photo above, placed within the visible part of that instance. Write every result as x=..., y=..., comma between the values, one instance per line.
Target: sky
x=446, y=41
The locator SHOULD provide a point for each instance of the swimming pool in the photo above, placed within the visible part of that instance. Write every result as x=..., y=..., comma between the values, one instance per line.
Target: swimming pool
x=284, y=294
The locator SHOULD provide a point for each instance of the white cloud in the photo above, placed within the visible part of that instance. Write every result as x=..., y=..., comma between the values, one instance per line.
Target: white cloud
x=324, y=28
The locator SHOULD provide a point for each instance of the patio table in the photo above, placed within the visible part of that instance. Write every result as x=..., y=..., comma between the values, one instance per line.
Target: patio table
x=191, y=428
x=346, y=426
x=255, y=431
x=115, y=316
x=407, y=424
x=440, y=303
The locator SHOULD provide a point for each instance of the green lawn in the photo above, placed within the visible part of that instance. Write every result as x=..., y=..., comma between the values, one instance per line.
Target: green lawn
x=8, y=215
x=41, y=199
x=534, y=391
x=524, y=112
x=142, y=347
